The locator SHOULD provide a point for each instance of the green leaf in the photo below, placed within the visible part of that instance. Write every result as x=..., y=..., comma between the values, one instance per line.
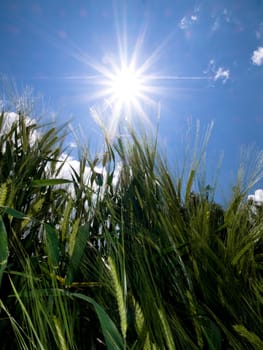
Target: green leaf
x=77, y=252
x=60, y=335
x=27, y=316
x=50, y=182
x=111, y=334
x=52, y=245
x=13, y=212
x=242, y=252
x=4, y=252
x=212, y=334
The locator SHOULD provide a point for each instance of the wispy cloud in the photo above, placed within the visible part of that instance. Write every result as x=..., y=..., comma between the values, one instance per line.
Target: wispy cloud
x=259, y=31
x=223, y=74
x=187, y=21
x=178, y=77
x=216, y=25
x=184, y=23
x=257, y=57
x=217, y=73
x=210, y=67
x=225, y=17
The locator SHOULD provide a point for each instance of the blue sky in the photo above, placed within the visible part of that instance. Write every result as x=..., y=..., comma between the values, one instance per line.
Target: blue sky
x=197, y=59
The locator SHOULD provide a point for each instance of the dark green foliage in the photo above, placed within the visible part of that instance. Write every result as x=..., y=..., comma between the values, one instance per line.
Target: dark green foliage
x=3, y=248
x=128, y=257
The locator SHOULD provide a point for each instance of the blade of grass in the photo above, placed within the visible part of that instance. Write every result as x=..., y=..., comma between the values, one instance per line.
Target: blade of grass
x=4, y=251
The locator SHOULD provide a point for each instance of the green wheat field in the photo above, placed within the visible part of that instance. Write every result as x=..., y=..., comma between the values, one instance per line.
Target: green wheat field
x=129, y=255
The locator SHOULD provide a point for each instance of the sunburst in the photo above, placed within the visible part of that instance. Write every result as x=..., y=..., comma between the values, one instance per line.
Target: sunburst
x=127, y=92
x=126, y=86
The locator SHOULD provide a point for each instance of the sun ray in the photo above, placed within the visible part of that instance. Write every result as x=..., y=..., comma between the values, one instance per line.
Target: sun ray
x=128, y=64
x=125, y=85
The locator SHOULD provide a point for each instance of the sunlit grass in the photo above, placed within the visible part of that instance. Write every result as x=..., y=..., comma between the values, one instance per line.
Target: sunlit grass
x=132, y=257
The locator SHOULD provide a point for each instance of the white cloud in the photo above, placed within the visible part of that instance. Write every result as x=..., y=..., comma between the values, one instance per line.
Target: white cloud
x=66, y=164
x=257, y=57
x=73, y=145
x=222, y=73
x=183, y=23
x=187, y=21
x=216, y=73
x=70, y=165
x=256, y=198
x=12, y=117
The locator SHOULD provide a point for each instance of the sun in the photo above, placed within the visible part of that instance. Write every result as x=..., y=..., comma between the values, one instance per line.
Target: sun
x=126, y=86
x=128, y=91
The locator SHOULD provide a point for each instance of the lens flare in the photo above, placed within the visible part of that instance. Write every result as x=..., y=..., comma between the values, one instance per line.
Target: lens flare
x=127, y=90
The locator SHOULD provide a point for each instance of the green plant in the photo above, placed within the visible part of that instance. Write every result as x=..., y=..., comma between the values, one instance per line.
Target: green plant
x=122, y=254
